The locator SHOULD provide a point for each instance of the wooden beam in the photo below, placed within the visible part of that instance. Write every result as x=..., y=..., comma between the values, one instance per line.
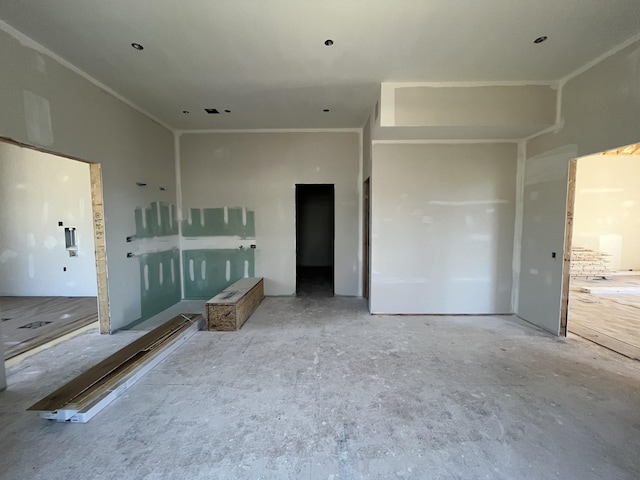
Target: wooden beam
x=566, y=256
x=88, y=387
x=97, y=203
x=628, y=150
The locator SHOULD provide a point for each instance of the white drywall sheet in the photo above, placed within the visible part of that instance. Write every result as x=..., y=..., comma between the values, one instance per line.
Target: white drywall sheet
x=533, y=105
x=38, y=190
x=442, y=228
x=543, y=231
x=600, y=107
x=259, y=171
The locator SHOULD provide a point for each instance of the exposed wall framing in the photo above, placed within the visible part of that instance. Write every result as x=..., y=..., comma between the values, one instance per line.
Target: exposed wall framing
x=628, y=150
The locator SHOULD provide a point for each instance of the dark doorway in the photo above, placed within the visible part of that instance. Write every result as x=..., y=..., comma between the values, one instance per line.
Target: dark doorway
x=366, y=232
x=315, y=217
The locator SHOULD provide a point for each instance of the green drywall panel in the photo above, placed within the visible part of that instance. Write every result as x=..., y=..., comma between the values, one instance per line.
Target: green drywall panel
x=155, y=225
x=210, y=222
x=159, y=281
x=205, y=271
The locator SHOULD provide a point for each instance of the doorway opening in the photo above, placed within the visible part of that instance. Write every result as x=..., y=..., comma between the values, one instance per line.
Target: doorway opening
x=601, y=287
x=366, y=234
x=53, y=275
x=315, y=238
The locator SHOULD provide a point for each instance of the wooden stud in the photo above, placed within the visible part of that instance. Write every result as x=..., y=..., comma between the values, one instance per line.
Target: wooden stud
x=628, y=150
x=568, y=236
x=101, y=247
x=90, y=385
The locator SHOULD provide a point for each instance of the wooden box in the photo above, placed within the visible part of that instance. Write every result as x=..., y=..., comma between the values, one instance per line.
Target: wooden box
x=229, y=309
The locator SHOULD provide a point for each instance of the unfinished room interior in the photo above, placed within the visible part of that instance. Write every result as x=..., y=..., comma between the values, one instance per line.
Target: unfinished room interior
x=348, y=239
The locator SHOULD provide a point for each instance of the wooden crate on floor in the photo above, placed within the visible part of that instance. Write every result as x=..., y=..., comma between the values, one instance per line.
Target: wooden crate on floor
x=228, y=310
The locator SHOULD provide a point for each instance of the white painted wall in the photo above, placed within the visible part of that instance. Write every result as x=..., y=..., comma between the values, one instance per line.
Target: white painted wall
x=259, y=171
x=442, y=228
x=600, y=110
x=47, y=104
x=606, y=215
x=38, y=190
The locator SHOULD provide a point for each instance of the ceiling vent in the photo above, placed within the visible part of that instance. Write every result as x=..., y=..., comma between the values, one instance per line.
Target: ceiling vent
x=212, y=111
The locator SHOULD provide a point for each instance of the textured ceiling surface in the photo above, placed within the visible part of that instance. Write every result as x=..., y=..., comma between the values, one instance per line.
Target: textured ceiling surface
x=266, y=61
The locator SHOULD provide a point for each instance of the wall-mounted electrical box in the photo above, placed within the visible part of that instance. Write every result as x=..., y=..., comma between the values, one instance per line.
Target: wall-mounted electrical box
x=71, y=241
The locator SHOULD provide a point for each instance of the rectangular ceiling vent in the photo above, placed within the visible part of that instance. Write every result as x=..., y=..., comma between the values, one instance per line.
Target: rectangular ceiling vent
x=212, y=111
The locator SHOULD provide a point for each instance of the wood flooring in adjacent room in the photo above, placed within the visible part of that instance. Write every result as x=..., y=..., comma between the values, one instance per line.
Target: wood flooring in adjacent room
x=609, y=319
x=28, y=322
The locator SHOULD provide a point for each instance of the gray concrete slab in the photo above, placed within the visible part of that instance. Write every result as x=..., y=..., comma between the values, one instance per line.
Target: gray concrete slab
x=318, y=389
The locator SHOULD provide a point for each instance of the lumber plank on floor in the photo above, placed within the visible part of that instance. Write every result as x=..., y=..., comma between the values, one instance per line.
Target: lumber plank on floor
x=89, y=384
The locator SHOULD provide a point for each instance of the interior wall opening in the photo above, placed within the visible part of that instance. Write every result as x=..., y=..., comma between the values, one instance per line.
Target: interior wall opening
x=315, y=239
x=51, y=231
x=602, y=290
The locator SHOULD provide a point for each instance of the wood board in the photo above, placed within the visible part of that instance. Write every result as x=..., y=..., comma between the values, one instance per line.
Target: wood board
x=81, y=398
x=229, y=309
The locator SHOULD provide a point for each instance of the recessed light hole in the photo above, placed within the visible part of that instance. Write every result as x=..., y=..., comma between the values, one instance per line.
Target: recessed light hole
x=540, y=39
x=212, y=111
x=328, y=42
x=137, y=46
x=186, y=112
x=227, y=111
x=325, y=110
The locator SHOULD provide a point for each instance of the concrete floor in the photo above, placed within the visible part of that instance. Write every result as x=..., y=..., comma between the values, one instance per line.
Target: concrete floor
x=318, y=389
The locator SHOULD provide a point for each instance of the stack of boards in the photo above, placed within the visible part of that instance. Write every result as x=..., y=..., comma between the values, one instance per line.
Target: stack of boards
x=589, y=263
x=84, y=396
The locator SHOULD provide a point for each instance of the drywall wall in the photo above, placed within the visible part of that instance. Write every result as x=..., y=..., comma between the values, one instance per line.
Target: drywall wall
x=37, y=191
x=470, y=105
x=600, y=110
x=156, y=246
x=48, y=105
x=259, y=171
x=543, y=229
x=217, y=249
x=442, y=228
x=606, y=214
x=366, y=149
x=600, y=107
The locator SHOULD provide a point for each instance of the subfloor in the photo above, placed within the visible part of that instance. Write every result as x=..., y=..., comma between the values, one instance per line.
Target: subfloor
x=28, y=322
x=609, y=319
x=318, y=389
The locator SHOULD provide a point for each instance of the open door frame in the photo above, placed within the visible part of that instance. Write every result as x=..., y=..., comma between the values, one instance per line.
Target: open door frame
x=97, y=202
x=366, y=233
x=568, y=238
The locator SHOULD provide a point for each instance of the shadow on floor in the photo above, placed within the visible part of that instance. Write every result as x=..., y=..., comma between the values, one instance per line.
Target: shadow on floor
x=314, y=282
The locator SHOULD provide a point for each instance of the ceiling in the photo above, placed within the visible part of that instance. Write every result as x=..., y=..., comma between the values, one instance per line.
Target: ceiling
x=266, y=62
